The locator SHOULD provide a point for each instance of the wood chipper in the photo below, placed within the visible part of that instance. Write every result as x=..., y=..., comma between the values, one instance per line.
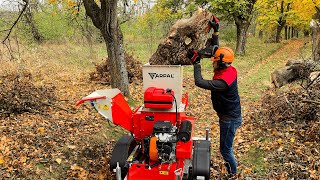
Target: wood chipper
x=162, y=145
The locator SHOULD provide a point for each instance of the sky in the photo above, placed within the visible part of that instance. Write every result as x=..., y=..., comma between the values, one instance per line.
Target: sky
x=9, y=5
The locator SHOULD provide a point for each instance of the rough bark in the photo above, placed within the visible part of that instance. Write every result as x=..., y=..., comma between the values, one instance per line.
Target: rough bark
x=281, y=20
x=183, y=35
x=242, y=21
x=242, y=28
x=30, y=21
x=260, y=34
x=294, y=69
x=286, y=32
x=105, y=19
x=315, y=35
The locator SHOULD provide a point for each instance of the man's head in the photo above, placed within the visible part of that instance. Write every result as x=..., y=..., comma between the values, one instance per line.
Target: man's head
x=222, y=58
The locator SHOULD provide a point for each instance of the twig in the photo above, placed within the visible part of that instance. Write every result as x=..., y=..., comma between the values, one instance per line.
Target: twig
x=315, y=79
x=59, y=107
x=16, y=21
x=294, y=110
x=311, y=101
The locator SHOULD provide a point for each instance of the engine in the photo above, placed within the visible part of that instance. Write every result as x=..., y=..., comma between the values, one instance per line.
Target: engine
x=166, y=139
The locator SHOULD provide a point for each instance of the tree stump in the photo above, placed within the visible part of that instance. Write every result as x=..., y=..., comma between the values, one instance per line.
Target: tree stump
x=183, y=35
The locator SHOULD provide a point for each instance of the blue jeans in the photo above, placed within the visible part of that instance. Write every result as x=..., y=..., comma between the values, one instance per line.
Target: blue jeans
x=227, y=132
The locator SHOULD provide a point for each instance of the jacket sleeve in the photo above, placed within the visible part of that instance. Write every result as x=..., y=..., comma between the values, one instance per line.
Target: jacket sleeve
x=213, y=85
x=212, y=45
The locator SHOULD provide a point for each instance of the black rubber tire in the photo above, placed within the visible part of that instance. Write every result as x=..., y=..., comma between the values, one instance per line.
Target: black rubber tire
x=121, y=152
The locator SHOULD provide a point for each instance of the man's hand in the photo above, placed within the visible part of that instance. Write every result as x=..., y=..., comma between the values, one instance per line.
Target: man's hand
x=215, y=24
x=193, y=55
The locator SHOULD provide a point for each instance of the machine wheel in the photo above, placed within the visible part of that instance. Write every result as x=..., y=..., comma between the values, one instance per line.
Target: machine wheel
x=121, y=152
x=201, y=159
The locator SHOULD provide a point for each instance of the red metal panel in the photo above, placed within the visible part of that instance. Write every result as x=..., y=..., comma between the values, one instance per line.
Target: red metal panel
x=184, y=150
x=160, y=172
x=121, y=112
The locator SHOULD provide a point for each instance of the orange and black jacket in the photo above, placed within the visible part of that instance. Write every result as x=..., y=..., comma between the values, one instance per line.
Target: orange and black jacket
x=224, y=91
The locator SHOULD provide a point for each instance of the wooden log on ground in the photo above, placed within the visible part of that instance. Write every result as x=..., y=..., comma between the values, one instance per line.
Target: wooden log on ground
x=294, y=69
x=184, y=34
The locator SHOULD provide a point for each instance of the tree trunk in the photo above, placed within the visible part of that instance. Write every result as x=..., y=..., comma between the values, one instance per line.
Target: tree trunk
x=104, y=17
x=28, y=15
x=292, y=32
x=242, y=28
x=260, y=34
x=306, y=33
x=279, y=29
x=286, y=32
x=315, y=35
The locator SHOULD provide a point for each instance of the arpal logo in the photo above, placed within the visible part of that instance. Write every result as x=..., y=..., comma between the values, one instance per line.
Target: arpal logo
x=155, y=75
x=152, y=75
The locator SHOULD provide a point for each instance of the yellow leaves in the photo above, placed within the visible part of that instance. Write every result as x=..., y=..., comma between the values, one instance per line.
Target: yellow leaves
x=279, y=141
x=58, y=160
x=292, y=139
x=54, y=13
x=23, y=159
x=52, y=1
x=248, y=170
x=71, y=4
x=41, y=130
x=1, y=160
x=135, y=1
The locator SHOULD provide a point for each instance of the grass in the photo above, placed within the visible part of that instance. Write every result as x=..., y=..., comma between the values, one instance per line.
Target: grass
x=255, y=159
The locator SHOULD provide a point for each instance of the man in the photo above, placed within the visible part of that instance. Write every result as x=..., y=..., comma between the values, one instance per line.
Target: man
x=224, y=91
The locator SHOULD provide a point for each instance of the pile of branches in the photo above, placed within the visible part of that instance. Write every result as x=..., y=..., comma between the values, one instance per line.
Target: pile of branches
x=292, y=116
x=300, y=104
x=18, y=94
x=102, y=73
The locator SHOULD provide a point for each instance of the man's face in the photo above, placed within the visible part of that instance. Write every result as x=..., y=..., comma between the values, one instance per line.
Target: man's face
x=215, y=65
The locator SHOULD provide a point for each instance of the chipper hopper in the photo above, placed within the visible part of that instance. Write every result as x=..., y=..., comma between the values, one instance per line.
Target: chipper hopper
x=162, y=145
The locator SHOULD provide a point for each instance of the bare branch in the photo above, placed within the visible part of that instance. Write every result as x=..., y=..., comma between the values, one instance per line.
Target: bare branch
x=17, y=20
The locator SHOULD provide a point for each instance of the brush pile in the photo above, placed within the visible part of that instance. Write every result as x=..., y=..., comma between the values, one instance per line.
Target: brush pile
x=102, y=75
x=296, y=105
x=18, y=94
x=290, y=121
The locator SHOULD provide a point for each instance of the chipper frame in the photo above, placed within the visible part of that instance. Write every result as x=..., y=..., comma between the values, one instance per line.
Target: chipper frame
x=162, y=145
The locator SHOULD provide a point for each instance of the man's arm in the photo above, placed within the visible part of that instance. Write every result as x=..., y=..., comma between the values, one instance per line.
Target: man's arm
x=213, y=85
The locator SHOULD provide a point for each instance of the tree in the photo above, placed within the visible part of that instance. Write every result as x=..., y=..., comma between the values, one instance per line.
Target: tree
x=242, y=13
x=28, y=15
x=104, y=17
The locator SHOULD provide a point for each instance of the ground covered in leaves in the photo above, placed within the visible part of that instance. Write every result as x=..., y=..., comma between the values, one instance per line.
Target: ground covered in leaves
x=278, y=138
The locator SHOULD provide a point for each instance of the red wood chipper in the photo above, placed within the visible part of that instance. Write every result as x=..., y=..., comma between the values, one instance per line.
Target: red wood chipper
x=162, y=145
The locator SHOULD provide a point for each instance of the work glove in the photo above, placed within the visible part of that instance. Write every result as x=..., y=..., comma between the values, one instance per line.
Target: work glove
x=193, y=55
x=215, y=25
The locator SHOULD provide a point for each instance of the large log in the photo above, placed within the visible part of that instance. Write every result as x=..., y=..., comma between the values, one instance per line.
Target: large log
x=184, y=34
x=294, y=69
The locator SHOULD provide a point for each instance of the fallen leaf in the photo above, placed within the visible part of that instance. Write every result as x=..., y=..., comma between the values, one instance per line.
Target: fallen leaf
x=292, y=139
x=75, y=167
x=41, y=130
x=58, y=160
x=1, y=160
x=72, y=146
